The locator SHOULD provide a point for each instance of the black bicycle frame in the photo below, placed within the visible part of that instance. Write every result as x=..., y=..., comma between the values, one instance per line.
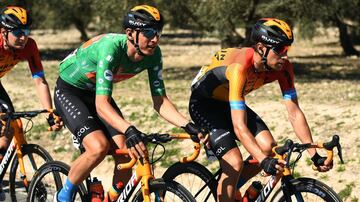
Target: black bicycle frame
x=7, y=159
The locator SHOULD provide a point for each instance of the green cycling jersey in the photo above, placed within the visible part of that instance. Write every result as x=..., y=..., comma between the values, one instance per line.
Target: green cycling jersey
x=103, y=60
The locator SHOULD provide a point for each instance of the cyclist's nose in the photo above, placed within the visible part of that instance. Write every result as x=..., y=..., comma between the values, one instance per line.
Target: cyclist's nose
x=284, y=57
x=155, y=39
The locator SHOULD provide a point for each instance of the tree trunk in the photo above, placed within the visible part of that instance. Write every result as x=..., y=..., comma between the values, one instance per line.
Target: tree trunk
x=231, y=40
x=82, y=29
x=249, y=21
x=345, y=39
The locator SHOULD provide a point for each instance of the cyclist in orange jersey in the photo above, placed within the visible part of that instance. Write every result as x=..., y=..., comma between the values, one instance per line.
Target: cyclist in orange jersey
x=217, y=103
x=16, y=46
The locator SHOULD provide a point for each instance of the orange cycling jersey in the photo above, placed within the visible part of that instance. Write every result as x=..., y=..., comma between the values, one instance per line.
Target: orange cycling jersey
x=9, y=58
x=232, y=74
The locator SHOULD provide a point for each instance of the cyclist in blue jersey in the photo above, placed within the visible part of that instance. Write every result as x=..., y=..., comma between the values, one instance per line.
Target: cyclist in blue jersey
x=84, y=88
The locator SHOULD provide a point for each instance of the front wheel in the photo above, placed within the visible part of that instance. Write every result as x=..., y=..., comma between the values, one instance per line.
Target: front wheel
x=307, y=189
x=34, y=156
x=165, y=191
x=48, y=180
x=195, y=177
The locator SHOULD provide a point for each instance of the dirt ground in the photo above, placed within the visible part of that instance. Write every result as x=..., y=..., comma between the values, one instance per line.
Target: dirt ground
x=327, y=86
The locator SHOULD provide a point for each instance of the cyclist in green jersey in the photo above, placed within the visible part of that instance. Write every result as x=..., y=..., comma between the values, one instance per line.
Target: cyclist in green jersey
x=84, y=88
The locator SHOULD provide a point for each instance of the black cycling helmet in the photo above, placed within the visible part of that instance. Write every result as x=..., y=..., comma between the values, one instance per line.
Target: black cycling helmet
x=14, y=17
x=275, y=34
x=143, y=16
x=272, y=32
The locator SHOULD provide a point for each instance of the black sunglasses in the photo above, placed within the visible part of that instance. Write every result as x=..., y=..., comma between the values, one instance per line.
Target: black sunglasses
x=20, y=32
x=150, y=32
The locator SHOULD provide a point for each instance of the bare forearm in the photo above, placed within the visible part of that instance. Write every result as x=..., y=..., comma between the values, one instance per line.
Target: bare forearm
x=169, y=112
x=301, y=128
x=43, y=92
x=109, y=114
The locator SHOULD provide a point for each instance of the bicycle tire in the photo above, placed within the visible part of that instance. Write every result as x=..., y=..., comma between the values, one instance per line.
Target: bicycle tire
x=197, y=175
x=37, y=189
x=17, y=189
x=160, y=187
x=308, y=187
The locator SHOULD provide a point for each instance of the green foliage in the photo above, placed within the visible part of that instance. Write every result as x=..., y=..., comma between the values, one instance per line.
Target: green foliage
x=75, y=155
x=346, y=192
x=220, y=18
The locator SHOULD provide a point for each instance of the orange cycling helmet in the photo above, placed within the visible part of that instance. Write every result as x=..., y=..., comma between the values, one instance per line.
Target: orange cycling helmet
x=272, y=32
x=145, y=19
x=143, y=16
x=15, y=17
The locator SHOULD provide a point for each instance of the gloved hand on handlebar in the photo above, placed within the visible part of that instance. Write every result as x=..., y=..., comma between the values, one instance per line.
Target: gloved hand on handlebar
x=271, y=165
x=134, y=142
x=194, y=131
x=54, y=121
x=320, y=163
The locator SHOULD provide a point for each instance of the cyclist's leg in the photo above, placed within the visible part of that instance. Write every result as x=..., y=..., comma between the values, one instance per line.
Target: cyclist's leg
x=5, y=138
x=96, y=147
x=264, y=139
x=117, y=141
x=215, y=117
x=231, y=164
x=78, y=111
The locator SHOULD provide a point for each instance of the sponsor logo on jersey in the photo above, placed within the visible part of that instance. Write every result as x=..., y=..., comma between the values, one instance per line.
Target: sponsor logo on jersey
x=156, y=83
x=101, y=63
x=108, y=75
x=109, y=58
x=160, y=75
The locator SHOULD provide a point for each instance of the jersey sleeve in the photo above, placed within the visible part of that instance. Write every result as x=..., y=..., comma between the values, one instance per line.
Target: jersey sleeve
x=34, y=59
x=286, y=82
x=156, y=82
x=236, y=75
x=105, y=67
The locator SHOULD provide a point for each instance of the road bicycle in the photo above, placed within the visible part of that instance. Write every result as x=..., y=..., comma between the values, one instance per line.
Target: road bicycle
x=204, y=183
x=44, y=184
x=28, y=158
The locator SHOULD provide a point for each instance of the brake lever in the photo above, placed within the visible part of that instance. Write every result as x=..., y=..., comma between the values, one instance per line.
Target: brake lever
x=340, y=153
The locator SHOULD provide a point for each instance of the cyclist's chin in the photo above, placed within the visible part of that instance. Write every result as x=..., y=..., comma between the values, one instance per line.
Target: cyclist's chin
x=18, y=46
x=277, y=66
x=149, y=51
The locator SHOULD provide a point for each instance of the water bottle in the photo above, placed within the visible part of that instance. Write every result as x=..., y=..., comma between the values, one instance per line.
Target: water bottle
x=253, y=190
x=96, y=190
x=114, y=192
x=210, y=154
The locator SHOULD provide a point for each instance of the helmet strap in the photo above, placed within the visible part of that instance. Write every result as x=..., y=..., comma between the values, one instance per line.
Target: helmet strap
x=6, y=37
x=136, y=43
x=264, y=59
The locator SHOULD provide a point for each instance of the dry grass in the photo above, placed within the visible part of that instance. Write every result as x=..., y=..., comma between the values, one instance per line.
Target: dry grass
x=327, y=85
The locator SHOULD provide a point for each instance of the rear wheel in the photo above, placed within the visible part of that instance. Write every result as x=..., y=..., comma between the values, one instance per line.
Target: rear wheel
x=195, y=177
x=34, y=156
x=48, y=180
x=165, y=191
x=307, y=189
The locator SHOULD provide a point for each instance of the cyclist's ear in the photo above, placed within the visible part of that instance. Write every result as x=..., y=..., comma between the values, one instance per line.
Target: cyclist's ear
x=129, y=33
x=260, y=48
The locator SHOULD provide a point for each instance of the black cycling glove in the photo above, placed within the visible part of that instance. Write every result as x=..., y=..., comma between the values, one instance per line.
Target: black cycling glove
x=133, y=137
x=53, y=118
x=318, y=160
x=192, y=130
x=268, y=164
